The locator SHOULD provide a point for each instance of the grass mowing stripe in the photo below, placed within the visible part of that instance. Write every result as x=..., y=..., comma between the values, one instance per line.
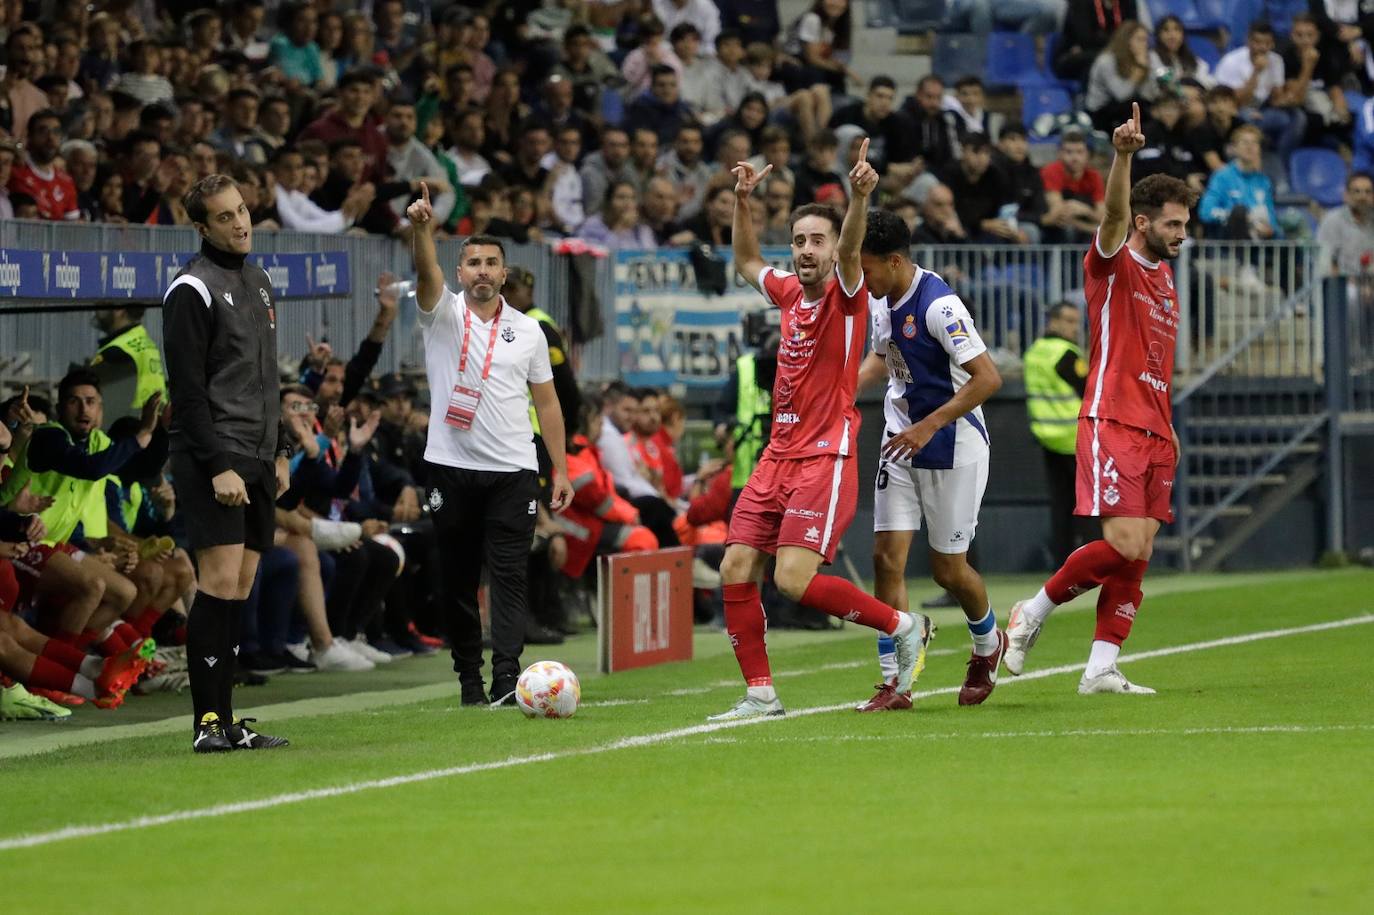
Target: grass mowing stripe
x=1101, y=732
x=643, y=740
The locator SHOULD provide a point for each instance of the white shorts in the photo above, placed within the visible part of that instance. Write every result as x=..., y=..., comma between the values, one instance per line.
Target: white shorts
x=948, y=500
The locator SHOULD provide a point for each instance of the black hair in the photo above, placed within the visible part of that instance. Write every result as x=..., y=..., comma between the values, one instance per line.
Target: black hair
x=482, y=240
x=882, y=82
x=77, y=377
x=886, y=233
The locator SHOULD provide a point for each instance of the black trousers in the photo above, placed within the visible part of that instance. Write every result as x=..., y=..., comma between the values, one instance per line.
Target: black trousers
x=1067, y=532
x=484, y=517
x=362, y=578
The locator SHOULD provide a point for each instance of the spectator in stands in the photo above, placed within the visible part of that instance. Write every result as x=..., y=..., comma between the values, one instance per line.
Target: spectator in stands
x=158, y=120
x=619, y=416
x=143, y=79
x=240, y=135
x=532, y=145
x=967, y=111
x=1088, y=26
x=1239, y=201
x=754, y=20
x=506, y=113
x=100, y=63
x=329, y=37
x=1170, y=147
x=817, y=178
x=778, y=205
x=983, y=195
x=702, y=89
x=1074, y=191
x=730, y=76
x=125, y=120
x=408, y=160
x=1214, y=135
x=299, y=212
x=751, y=118
x=1033, y=17
x=888, y=130
x=469, y=136
x=1346, y=234
x=940, y=223
x=110, y=199
x=1012, y=156
x=19, y=97
x=1345, y=29
x=24, y=206
x=820, y=40
x=293, y=50
x=274, y=121
x=643, y=157
x=732, y=148
x=618, y=225
x=653, y=51
x=1120, y=77
x=1257, y=75
x=702, y=15
x=565, y=186
x=353, y=119
x=9, y=152
x=933, y=137
x=193, y=123
x=810, y=105
x=715, y=223
x=38, y=173
x=660, y=109
x=588, y=67
x=244, y=24
x=558, y=111
x=145, y=180
x=1171, y=53
x=659, y=210
x=688, y=172
x=775, y=149
x=1315, y=82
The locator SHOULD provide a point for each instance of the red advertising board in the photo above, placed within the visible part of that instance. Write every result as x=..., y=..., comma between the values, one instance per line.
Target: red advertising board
x=645, y=601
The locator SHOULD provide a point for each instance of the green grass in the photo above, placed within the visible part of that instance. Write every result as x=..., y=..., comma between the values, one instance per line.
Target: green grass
x=1242, y=787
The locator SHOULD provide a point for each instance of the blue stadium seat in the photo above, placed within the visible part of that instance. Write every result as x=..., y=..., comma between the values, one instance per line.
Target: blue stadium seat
x=1205, y=49
x=1197, y=15
x=1318, y=173
x=1213, y=14
x=917, y=16
x=958, y=55
x=1354, y=100
x=1011, y=60
x=1044, y=100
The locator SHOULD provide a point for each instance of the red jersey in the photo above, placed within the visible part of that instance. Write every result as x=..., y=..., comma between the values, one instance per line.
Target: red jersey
x=1133, y=310
x=818, y=366
x=55, y=194
x=672, y=471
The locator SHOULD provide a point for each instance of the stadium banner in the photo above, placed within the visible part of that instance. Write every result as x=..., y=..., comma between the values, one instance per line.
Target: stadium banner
x=668, y=330
x=645, y=606
x=43, y=277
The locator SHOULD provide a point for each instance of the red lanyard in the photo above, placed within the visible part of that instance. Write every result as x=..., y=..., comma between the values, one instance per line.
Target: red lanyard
x=1102, y=14
x=491, y=344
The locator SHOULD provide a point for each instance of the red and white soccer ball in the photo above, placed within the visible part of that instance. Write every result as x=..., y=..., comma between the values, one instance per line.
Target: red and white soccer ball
x=548, y=689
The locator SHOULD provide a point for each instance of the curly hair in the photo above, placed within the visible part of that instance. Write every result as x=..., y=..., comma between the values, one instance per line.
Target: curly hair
x=1150, y=194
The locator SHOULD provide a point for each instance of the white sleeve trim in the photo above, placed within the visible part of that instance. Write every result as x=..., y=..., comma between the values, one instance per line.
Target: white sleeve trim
x=1097, y=243
x=194, y=282
x=851, y=293
x=763, y=288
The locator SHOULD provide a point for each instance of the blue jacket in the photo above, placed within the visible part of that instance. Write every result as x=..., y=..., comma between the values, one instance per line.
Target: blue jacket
x=1229, y=188
x=1363, y=160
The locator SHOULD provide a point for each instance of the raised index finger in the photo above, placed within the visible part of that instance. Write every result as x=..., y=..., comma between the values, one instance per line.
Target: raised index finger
x=863, y=150
x=1135, y=114
x=424, y=192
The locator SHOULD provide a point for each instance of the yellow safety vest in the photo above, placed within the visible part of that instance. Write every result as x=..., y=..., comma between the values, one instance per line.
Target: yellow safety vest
x=752, y=405
x=147, y=362
x=556, y=356
x=1052, y=402
x=74, y=501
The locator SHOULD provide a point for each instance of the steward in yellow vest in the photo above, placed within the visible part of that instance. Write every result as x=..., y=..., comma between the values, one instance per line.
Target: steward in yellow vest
x=127, y=362
x=745, y=410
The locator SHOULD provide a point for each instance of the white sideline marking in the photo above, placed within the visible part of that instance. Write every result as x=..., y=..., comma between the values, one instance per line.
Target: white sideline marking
x=1018, y=735
x=781, y=674
x=643, y=740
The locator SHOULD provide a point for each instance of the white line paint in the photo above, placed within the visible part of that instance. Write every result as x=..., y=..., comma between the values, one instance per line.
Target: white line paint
x=1027, y=735
x=643, y=740
x=806, y=672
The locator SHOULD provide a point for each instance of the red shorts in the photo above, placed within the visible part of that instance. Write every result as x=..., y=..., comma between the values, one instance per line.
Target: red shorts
x=9, y=587
x=1124, y=472
x=29, y=566
x=806, y=502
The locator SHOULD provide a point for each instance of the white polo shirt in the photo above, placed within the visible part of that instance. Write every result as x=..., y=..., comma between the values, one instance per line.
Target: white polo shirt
x=501, y=437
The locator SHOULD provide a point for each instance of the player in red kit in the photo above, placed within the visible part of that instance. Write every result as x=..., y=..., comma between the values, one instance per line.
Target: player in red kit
x=802, y=494
x=1127, y=448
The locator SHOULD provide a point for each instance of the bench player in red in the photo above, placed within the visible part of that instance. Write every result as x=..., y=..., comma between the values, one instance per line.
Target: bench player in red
x=1127, y=448
x=802, y=494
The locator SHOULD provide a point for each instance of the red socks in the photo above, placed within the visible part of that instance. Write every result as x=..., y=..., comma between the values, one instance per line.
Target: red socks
x=146, y=620
x=746, y=624
x=113, y=642
x=1118, y=603
x=1087, y=567
x=48, y=674
x=839, y=597
x=64, y=654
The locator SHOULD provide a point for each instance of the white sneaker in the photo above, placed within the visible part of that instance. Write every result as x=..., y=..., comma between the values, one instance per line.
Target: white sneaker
x=911, y=652
x=300, y=650
x=1111, y=680
x=338, y=657
x=173, y=658
x=1022, y=632
x=362, y=648
x=750, y=707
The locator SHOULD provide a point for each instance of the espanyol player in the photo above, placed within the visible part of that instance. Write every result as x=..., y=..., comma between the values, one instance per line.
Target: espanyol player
x=934, y=462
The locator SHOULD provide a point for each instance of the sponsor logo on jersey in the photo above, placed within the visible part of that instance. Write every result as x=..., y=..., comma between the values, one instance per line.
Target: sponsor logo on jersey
x=1156, y=383
x=1126, y=611
x=787, y=419
x=823, y=443
x=230, y=299
x=810, y=514
x=957, y=330
x=813, y=535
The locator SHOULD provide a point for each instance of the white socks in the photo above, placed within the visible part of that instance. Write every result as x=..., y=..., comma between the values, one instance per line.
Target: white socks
x=91, y=667
x=763, y=693
x=1102, y=659
x=1039, y=607
x=905, y=622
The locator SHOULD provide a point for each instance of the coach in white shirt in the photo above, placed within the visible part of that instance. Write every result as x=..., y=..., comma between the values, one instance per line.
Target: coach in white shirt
x=484, y=360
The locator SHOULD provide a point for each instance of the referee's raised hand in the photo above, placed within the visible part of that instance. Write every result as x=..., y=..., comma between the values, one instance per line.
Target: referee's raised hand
x=421, y=213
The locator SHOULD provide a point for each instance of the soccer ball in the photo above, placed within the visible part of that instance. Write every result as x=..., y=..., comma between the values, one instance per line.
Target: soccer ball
x=548, y=689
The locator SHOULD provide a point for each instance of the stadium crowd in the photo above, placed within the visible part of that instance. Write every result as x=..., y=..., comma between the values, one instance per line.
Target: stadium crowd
x=617, y=122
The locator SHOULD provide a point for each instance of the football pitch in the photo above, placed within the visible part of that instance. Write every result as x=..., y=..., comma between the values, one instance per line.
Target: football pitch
x=1245, y=785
